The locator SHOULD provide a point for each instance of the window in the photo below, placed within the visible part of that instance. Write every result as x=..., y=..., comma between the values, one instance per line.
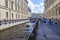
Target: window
x=18, y=8
x=15, y=1
x=16, y=15
x=59, y=10
x=6, y=3
x=15, y=7
x=0, y=14
x=12, y=15
x=6, y=14
x=56, y=11
x=12, y=5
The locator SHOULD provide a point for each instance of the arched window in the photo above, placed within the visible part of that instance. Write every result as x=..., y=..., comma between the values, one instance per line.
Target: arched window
x=6, y=14
x=6, y=2
x=12, y=15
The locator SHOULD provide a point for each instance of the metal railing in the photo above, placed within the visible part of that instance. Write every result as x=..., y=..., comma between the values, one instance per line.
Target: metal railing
x=5, y=22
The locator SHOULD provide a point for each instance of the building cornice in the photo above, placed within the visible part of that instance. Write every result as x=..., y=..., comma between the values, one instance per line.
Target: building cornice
x=53, y=5
x=26, y=1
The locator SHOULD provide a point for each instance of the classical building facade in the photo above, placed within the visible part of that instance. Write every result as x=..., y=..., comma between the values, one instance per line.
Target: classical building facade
x=13, y=9
x=13, y=12
x=52, y=9
x=13, y=18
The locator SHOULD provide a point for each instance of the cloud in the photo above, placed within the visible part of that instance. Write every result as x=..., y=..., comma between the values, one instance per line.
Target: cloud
x=36, y=7
x=31, y=5
x=42, y=3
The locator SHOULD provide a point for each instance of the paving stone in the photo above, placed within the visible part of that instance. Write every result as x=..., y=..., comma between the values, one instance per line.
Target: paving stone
x=40, y=35
x=50, y=34
x=53, y=38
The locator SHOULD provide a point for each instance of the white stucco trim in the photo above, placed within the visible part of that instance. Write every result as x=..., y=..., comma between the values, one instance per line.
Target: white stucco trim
x=12, y=24
x=54, y=4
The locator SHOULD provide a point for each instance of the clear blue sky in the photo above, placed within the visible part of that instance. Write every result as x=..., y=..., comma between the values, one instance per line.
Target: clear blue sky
x=36, y=5
x=37, y=1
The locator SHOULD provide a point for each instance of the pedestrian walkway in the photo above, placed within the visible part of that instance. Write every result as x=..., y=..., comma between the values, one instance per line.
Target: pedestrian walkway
x=40, y=33
x=55, y=28
x=46, y=33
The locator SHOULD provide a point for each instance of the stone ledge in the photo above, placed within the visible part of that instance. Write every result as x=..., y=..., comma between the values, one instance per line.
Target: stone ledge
x=10, y=25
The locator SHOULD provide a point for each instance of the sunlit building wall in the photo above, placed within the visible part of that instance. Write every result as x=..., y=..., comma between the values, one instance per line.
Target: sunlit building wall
x=13, y=9
x=52, y=9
